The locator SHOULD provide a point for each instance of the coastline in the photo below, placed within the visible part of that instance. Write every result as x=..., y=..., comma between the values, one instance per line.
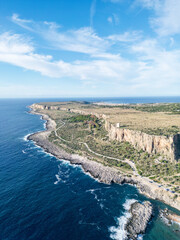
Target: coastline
x=98, y=171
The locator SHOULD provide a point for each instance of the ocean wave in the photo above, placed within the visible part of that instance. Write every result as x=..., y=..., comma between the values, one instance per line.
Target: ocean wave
x=100, y=201
x=119, y=232
x=43, y=151
x=62, y=176
x=25, y=138
x=97, y=189
x=68, y=163
x=58, y=179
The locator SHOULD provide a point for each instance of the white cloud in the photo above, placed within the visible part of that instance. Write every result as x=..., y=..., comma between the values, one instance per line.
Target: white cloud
x=14, y=44
x=83, y=40
x=116, y=1
x=113, y=19
x=85, y=70
x=159, y=66
x=92, y=12
x=126, y=37
x=154, y=4
x=116, y=19
x=109, y=19
x=147, y=66
x=166, y=20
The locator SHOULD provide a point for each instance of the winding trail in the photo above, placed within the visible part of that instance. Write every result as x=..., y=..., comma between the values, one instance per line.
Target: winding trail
x=131, y=164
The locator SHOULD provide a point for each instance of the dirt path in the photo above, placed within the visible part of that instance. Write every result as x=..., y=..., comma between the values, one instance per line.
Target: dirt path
x=131, y=164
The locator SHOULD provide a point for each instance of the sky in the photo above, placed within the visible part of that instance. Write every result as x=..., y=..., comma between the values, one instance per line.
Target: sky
x=89, y=48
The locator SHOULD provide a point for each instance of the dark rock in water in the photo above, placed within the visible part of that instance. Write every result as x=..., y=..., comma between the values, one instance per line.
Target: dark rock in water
x=137, y=223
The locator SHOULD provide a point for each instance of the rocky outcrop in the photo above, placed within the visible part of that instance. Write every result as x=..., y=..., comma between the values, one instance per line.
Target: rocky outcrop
x=167, y=146
x=141, y=213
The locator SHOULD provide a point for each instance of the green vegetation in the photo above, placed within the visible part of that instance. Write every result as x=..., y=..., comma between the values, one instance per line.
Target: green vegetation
x=163, y=131
x=80, y=129
x=82, y=118
x=160, y=107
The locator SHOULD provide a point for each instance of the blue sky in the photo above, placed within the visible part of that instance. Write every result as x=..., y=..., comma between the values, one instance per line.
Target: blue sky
x=89, y=48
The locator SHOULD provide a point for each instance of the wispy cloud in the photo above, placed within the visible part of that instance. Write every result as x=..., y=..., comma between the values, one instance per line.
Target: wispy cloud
x=116, y=1
x=15, y=44
x=152, y=67
x=83, y=40
x=19, y=53
x=166, y=20
x=92, y=12
x=113, y=19
x=148, y=64
x=126, y=37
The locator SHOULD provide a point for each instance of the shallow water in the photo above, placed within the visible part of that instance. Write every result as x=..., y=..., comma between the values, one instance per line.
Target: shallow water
x=42, y=197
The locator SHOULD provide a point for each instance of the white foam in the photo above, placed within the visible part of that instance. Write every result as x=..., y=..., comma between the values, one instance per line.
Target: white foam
x=44, y=125
x=101, y=205
x=58, y=179
x=119, y=232
x=25, y=138
x=23, y=152
x=62, y=176
x=42, y=150
x=128, y=203
x=140, y=237
x=34, y=147
x=68, y=163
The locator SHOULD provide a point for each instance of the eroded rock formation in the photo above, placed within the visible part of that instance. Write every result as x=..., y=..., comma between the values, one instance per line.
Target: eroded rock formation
x=141, y=213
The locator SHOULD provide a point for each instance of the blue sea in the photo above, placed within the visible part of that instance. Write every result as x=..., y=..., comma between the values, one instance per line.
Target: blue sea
x=45, y=198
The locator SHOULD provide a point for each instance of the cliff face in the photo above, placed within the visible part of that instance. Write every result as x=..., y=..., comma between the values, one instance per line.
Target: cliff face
x=167, y=146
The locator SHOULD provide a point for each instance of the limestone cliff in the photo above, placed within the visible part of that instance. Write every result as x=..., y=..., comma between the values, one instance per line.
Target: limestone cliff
x=167, y=146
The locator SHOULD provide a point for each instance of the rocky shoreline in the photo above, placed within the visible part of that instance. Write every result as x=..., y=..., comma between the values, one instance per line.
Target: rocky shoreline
x=98, y=171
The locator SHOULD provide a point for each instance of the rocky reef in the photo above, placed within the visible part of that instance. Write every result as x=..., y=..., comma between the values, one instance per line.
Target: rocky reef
x=141, y=214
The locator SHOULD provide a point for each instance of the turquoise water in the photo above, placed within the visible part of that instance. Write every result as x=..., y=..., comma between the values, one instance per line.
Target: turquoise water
x=42, y=197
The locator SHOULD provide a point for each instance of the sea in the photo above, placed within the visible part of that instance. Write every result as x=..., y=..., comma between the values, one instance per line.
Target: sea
x=45, y=198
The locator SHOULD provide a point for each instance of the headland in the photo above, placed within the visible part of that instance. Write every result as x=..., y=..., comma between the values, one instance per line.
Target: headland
x=112, y=143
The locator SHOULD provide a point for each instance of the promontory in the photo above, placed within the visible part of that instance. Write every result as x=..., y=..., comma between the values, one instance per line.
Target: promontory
x=120, y=143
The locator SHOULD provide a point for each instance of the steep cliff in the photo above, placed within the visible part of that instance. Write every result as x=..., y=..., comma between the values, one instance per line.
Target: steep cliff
x=168, y=146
